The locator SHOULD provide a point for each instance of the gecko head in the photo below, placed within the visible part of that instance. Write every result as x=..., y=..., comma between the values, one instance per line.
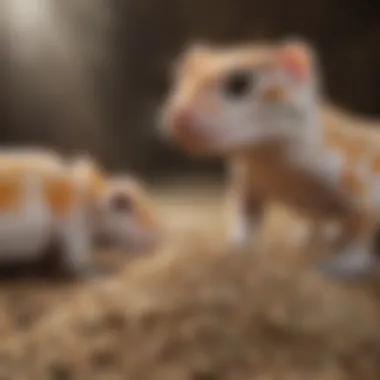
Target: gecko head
x=125, y=216
x=225, y=98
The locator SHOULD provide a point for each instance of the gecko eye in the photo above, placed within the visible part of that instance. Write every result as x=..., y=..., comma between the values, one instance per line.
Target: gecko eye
x=120, y=202
x=238, y=83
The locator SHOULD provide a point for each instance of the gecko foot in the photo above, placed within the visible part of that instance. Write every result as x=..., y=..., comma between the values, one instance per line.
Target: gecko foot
x=355, y=263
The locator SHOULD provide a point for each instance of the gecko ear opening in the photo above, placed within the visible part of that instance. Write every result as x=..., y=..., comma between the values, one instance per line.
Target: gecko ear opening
x=296, y=58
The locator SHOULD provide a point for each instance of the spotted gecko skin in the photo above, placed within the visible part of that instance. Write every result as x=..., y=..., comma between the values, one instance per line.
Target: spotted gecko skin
x=259, y=107
x=45, y=199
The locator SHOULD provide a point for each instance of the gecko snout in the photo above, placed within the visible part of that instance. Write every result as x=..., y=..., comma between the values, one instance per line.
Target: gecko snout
x=186, y=127
x=182, y=115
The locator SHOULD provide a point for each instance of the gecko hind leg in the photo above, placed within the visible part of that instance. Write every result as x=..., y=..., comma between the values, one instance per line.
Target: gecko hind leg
x=359, y=243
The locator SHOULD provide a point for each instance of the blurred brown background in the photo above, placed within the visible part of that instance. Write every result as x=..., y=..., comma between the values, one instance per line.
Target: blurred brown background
x=55, y=55
x=90, y=75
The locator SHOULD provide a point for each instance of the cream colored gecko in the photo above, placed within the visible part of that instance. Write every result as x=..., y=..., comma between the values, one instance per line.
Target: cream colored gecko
x=45, y=198
x=259, y=106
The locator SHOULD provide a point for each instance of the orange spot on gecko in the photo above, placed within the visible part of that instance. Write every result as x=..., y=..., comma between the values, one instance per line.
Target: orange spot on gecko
x=97, y=183
x=11, y=193
x=352, y=147
x=335, y=139
x=146, y=217
x=59, y=194
x=274, y=93
x=143, y=207
x=375, y=164
x=356, y=149
x=352, y=183
x=92, y=175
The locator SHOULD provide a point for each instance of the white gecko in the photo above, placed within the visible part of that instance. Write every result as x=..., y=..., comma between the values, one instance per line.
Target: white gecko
x=47, y=199
x=260, y=107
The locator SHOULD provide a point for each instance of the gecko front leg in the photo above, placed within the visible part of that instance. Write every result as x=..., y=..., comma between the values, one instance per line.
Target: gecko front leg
x=244, y=209
x=76, y=243
x=245, y=220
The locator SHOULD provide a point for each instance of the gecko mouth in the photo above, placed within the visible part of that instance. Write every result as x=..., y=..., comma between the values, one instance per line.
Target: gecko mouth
x=190, y=137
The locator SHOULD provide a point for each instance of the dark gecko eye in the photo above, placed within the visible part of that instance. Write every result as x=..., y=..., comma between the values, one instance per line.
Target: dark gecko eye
x=239, y=83
x=120, y=202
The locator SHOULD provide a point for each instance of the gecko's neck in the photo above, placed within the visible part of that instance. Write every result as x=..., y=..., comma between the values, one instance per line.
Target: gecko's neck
x=307, y=142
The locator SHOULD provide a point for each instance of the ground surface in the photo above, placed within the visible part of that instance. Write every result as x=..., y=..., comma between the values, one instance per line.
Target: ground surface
x=195, y=311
